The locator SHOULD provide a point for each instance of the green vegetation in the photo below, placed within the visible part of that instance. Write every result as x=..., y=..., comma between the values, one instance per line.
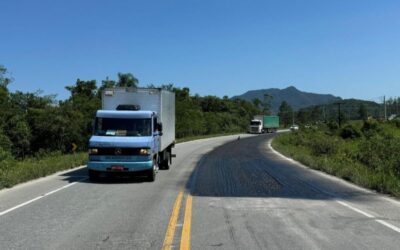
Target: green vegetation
x=37, y=132
x=363, y=152
x=13, y=172
x=350, y=109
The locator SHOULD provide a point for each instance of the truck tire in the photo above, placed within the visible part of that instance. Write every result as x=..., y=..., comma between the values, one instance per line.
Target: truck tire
x=151, y=174
x=93, y=175
x=164, y=163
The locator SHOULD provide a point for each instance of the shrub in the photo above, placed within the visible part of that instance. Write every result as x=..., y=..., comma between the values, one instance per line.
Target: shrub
x=350, y=132
x=371, y=128
x=396, y=122
x=321, y=144
x=332, y=125
x=381, y=154
x=4, y=156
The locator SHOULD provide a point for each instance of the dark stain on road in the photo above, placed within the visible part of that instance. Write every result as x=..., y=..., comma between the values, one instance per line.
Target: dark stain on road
x=235, y=169
x=247, y=168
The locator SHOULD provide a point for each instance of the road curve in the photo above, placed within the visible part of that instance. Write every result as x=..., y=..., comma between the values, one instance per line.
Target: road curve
x=221, y=193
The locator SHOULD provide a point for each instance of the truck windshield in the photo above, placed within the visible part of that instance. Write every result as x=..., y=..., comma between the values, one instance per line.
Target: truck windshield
x=255, y=123
x=122, y=127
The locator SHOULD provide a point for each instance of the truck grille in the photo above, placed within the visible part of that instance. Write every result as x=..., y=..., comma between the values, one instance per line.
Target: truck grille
x=255, y=130
x=118, y=151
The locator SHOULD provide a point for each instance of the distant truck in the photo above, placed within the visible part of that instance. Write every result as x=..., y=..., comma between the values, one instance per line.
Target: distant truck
x=270, y=123
x=264, y=124
x=134, y=132
x=256, y=125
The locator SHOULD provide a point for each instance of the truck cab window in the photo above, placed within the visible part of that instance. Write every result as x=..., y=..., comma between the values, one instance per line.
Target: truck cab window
x=122, y=127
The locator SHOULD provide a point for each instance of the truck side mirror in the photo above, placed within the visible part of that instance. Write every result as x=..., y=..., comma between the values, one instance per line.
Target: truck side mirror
x=159, y=127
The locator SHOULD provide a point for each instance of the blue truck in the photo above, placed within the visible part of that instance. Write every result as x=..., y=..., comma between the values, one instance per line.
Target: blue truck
x=134, y=133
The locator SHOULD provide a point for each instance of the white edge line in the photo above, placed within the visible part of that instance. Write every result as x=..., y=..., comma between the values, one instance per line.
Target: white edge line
x=355, y=209
x=41, y=179
x=389, y=225
x=350, y=184
x=382, y=222
x=39, y=197
x=281, y=155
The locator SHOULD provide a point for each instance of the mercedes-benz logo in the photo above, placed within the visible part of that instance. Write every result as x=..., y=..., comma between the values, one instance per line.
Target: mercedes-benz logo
x=118, y=151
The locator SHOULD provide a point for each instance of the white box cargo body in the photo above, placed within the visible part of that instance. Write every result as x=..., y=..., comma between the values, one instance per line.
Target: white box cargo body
x=157, y=100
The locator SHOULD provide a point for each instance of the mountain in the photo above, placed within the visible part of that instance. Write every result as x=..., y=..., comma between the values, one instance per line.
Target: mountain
x=296, y=98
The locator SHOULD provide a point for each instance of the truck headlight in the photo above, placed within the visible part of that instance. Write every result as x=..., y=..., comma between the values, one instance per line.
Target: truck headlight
x=93, y=151
x=145, y=151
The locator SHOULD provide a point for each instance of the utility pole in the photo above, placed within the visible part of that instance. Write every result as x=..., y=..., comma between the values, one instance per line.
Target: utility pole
x=384, y=106
x=339, y=116
x=292, y=117
x=324, y=110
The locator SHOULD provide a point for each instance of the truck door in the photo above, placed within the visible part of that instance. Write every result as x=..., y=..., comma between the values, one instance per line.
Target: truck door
x=156, y=140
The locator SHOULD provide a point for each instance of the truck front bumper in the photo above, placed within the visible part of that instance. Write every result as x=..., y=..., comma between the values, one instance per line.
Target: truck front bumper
x=127, y=166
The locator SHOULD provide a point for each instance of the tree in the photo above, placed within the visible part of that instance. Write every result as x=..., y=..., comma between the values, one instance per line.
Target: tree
x=127, y=80
x=83, y=103
x=267, y=103
x=4, y=95
x=5, y=142
x=285, y=113
x=20, y=134
x=4, y=81
x=105, y=84
x=257, y=103
x=168, y=86
x=83, y=88
x=316, y=114
x=362, y=112
x=303, y=117
x=5, y=147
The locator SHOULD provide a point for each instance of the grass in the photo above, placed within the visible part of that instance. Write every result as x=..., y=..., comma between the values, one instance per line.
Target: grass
x=13, y=172
x=343, y=162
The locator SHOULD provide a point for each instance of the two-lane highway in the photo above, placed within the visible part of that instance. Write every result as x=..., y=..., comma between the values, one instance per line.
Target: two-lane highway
x=220, y=193
x=66, y=211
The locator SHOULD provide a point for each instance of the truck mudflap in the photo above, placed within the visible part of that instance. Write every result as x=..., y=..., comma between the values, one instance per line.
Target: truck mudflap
x=120, y=166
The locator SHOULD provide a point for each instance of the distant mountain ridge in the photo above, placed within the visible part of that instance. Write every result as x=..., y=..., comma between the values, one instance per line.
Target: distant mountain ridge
x=294, y=97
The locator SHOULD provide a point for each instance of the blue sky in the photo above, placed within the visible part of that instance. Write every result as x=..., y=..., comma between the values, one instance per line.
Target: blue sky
x=217, y=47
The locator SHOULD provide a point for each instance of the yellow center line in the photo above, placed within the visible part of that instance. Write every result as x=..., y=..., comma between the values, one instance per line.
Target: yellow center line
x=185, y=239
x=169, y=235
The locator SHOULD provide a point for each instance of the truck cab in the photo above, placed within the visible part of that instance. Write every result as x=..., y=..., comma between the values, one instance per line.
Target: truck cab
x=126, y=141
x=256, y=126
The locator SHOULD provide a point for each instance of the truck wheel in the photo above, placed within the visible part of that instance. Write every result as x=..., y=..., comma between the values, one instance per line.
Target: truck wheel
x=151, y=174
x=93, y=175
x=165, y=164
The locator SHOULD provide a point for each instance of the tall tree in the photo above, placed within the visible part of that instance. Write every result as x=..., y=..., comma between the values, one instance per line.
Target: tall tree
x=127, y=80
x=267, y=103
x=4, y=80
x=285, y=113
x=83, y=88
x=3, y=92
x=105, y=84
x=84, y=101
x=257, y=103
x=316, y=114
x=362, y=112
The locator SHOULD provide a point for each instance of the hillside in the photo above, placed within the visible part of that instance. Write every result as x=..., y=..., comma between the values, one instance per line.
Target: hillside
x=296, y=98
x=350, y=109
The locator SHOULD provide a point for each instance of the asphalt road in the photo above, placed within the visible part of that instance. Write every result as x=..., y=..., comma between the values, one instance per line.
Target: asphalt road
x=220, y=193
